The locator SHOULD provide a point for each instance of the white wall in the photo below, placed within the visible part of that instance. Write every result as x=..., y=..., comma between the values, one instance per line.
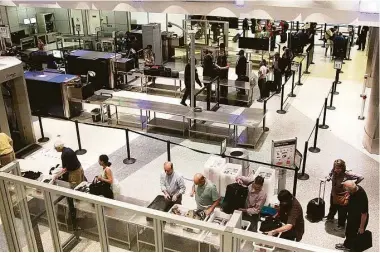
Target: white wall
x=139, y=18
x=159, y=18
x=176, y=19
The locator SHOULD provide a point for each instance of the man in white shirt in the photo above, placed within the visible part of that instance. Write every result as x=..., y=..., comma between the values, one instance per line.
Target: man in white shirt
x=172, y=184
x=263, y=71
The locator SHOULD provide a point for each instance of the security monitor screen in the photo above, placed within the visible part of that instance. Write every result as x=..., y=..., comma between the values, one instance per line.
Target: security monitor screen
x=57, y=54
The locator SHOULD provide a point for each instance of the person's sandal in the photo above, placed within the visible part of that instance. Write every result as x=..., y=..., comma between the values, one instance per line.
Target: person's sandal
x=340, y=246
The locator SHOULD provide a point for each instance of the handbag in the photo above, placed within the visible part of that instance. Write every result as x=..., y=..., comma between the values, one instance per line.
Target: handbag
x=342, y=199
x=270, y=76
x=97, y=188
x=362, y=242
x=270, y=224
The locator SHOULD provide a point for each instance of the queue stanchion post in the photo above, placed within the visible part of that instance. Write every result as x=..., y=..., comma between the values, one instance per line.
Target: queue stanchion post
x=208, y=102
x=291, y=94
x=361, y=116
x=299, y=74
x=312, y=55
x=265, y=128
x=314, y=148
x=307, y=64
x=303, y=175
x=43, y=138
x=336, y=82
x=282, y=111
x=129, y=159
x=364, y=85
x=80, y=150
x=168, y=150
x=295, y=181
x=331, y=107
x=324, y=126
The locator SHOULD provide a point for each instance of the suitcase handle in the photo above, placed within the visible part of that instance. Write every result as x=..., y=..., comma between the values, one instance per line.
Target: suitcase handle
x=322, y=181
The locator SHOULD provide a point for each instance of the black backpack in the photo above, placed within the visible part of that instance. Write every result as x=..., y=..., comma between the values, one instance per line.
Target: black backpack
x=270, y=224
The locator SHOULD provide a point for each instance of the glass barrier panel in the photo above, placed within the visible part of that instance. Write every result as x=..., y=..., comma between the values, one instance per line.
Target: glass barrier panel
x=78, y=225
x=143, y=232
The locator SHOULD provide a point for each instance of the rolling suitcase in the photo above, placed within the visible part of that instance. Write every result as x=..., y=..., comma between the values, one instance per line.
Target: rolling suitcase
x=316, y=207
x=236, y=196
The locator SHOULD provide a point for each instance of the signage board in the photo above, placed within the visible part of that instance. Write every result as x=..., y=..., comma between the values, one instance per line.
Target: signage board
x=4, y=32
x=338, y=64
x=283, y=154
x=295, y=66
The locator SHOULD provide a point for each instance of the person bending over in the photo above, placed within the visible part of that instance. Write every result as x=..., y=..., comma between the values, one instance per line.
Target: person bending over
x=172, y=184
x=291, y=214
x=206, y=194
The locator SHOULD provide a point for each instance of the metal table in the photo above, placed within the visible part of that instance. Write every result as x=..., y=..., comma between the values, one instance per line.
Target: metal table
x=162, y=87
x=176, y=110
x=250, y=119
x=240, y=85
x=213, y=117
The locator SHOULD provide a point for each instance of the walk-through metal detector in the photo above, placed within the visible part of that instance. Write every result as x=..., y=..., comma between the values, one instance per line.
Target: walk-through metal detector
x=15, y=115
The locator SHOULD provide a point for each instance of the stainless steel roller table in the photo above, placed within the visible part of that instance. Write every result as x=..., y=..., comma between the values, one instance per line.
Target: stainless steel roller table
x=211, y=117
x=250, y=119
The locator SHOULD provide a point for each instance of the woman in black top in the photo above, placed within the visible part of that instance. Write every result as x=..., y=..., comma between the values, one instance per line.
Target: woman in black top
x=222, y=65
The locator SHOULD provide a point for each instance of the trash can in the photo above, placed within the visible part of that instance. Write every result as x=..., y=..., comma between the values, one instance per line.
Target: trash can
x=95, y=114
x=239, y=153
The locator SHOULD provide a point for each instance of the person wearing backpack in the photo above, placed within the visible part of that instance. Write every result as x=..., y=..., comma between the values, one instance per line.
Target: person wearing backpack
x=339, y=197
x=255, y=200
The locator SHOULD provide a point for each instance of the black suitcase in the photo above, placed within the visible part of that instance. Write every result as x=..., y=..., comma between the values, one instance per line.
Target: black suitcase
x=175, y=74
x=236, y=37
x=284, y=37
x=362, y=242
x=316, y=207
x=235, y=198
x=161, y=204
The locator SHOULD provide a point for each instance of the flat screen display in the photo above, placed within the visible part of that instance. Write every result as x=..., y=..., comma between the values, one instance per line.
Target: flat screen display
x=26, y=21
x=57, y=54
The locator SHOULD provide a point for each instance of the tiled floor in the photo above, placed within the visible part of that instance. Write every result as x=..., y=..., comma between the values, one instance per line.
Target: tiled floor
x=341, y=140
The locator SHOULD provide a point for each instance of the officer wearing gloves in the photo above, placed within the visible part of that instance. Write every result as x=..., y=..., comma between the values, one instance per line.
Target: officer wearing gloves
x=172, y=184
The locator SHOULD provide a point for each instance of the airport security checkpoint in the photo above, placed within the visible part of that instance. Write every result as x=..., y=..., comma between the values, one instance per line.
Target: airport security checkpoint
x=135, y=127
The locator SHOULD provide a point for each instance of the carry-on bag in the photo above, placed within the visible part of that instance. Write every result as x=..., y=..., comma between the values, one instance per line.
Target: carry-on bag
x=236, y=37
x=235, y=198
x=316, y=207
x=161, y=204
x=362, y=242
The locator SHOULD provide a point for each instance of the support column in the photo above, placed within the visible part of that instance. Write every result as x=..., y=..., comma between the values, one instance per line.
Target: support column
x=371, y=129
x=373, y=35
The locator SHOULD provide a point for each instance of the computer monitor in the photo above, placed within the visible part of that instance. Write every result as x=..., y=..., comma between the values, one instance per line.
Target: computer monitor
x=57, y=54
x=33, y=20
x=26, y=21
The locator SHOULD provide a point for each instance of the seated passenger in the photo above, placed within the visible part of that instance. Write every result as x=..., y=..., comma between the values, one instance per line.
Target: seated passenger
x=255, y=200
x=206, y=194
x=106, y=177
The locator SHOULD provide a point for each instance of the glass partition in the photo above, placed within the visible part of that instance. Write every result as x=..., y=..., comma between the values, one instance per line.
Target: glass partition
x=45, y=220
x=159, y=18
x=139, y=18
x=178, y=20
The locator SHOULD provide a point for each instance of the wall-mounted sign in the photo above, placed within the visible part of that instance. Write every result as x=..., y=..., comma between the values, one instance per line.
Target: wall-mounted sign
x=4, y=32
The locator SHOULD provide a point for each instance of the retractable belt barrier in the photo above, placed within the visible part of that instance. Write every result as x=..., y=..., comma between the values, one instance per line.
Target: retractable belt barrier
x=130, y=160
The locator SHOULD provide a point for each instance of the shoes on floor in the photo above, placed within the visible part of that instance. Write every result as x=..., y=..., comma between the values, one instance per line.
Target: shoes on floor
x=339, y=229
x=260, y=100
x=278, y=92
x=329, y=219
x=183, y=103
x=340, y=246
